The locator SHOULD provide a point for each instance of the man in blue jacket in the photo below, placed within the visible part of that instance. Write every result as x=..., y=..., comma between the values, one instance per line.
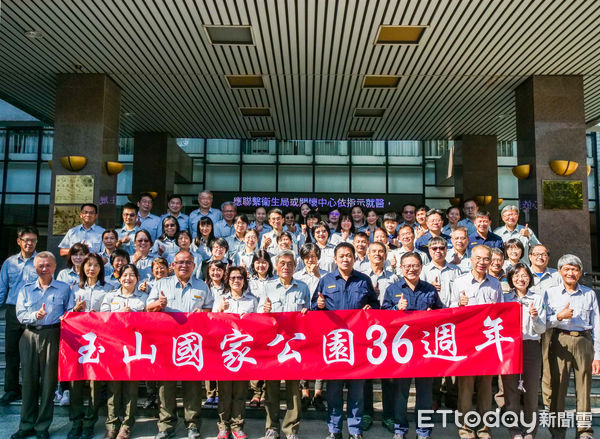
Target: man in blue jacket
x=411, y=294
x=344, y=288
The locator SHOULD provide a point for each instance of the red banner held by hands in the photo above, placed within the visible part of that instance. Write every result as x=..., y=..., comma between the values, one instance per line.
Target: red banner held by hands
x=469, y=340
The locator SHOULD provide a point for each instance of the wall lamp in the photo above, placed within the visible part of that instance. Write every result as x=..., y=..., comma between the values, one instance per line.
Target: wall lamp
x=563, y=167
x=113, y=168
x=73, y=162
x=483, y=200
x=521, y=171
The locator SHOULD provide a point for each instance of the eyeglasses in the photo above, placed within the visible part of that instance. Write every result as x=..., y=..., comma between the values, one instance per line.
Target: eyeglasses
x=28, y=241
x=479, y=258
x=129, y=214
x=409, y=211
x=88, y=212
x=411, y=267
x=437, y=249
x=539, y=255
x=142, y=240
x=184, y=262
x=236, y=278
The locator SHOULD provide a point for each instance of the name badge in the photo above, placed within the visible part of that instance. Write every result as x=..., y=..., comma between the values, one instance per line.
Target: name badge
x=332, y=286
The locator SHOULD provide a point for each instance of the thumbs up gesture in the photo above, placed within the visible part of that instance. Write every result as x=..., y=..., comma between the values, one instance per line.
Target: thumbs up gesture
x=436, y=284
x=162, y=300
x=525, y=232
x=403, y=303
x=144, y=286
x=80, y=305
x=41, y=313
x=464, y=300
x=566, y=313
x=321, y=301
x=161, y=249
x=532, y=310
x=267, y=305
x=224, y=306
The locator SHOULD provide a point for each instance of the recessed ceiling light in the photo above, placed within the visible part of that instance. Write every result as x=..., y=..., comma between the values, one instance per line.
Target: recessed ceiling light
x=381, y=81
x=255, y=111
x=34, y=34
x=369, y=112
x=399, y=34
x=230, y=35
x=357, y=134
x=128, y=114
x=262, y=134
x=245, y=81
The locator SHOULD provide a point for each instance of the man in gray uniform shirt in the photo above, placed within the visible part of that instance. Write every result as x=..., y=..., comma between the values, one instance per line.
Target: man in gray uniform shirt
x=180, y=293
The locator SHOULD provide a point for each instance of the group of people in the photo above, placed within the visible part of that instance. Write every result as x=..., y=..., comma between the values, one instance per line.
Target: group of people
x=219, y=261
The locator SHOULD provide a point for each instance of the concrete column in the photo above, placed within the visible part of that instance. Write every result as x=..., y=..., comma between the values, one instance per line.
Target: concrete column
x=158, y=163
x=87, y=124
x=551, y=126
x=475, y=170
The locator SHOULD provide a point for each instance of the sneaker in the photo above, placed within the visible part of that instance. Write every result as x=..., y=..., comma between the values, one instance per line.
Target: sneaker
x=366, y=422
x=57, y=397
x=271, y=434
x=168, y=434
x=193, y=433
x=239, y=434
x=150, y=402
x=292, y=436
x=66, y=398
x=209, y=403
x=318, y=403
x=388, y=424
x=223, y=434
x=399, y=436
x=334, y=436
x=518, y=436
x=422, y=436
x=356, y=436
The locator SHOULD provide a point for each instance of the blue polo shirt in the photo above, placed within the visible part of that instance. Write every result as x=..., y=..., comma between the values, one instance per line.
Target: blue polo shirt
x=424, y=296
x=492, y=240
x=341, y=294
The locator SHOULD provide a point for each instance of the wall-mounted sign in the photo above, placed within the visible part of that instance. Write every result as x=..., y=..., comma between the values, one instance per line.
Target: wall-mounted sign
x=562, y=194
x=65, y=217
x=74, y=189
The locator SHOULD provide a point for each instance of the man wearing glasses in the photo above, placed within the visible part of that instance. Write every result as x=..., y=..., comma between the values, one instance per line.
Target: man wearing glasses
x=410, y=293
x=544, y=277
x=88, y=232
x=181, y=292
x=470, y=209
x=510, y=229
x=129, y=229
x=16, y=271
x=476, y=288
x=435, y=221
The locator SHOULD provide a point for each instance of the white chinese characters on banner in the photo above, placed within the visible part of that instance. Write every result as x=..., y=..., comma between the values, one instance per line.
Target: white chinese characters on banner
x=233, y=357
x=138, y=351
x=287, y=353
x=493, y=336
x=338, y=347
x=187, y=350
x=87, y=351
x=445, y=342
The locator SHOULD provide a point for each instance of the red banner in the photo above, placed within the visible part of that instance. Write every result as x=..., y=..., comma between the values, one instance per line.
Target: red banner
x=471, y=340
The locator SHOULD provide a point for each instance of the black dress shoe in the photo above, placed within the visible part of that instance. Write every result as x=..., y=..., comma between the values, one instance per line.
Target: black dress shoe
x=9, y=397
x=42, y=435
x=75, y=432
x=21, y=434
x=356, y=436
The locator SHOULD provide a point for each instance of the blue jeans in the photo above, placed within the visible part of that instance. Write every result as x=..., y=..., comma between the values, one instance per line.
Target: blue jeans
x=424, y=401
x=335, y=404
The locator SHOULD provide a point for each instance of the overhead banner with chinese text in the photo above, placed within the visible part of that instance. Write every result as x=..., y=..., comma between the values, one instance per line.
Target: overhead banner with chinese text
x=471, y=340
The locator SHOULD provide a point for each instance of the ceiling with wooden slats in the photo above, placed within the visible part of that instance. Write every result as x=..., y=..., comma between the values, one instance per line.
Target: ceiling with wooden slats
x=313, y=55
